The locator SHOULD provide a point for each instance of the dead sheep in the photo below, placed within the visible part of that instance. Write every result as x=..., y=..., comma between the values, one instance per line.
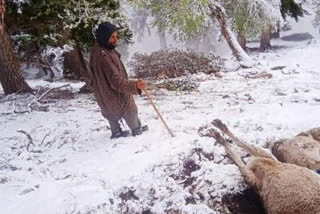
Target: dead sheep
x=284, y=188
x=314, y=133
x=302, y=150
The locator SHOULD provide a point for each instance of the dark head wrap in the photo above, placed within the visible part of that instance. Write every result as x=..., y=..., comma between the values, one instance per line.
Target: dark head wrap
x=104, y=33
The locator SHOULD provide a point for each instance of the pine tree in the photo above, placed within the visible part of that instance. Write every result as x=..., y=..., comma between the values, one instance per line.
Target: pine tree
x=57, y=23
x=291, y=8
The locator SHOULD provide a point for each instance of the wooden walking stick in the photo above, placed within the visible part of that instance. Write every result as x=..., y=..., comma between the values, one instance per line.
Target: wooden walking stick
x=155, y=108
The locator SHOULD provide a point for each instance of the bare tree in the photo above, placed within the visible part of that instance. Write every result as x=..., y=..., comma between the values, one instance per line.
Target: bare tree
x=11, y=78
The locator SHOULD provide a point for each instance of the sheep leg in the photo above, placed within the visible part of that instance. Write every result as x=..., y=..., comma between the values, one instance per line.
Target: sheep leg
x=244, y=170
x=252, y=149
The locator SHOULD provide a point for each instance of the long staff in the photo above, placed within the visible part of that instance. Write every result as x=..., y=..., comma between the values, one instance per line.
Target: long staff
x=155, y=108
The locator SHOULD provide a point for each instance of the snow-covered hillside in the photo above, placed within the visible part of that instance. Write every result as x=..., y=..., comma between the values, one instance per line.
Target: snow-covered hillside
x=73, y=167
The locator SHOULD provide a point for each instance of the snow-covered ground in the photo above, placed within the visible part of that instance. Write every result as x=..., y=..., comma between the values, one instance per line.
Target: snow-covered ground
x=73, y=166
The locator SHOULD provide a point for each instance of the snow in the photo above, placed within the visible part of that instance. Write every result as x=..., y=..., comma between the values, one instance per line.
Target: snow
x=56, y=53
x=73, y=166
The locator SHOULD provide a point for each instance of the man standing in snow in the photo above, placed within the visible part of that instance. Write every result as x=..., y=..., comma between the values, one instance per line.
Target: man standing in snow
x=112, y=88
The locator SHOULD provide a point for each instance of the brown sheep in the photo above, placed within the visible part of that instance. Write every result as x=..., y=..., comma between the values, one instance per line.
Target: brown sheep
x=284, y=188
x=314, y=133
x=302, y=150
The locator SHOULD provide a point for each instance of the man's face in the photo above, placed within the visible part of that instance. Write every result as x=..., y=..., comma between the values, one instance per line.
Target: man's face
x=113, y=39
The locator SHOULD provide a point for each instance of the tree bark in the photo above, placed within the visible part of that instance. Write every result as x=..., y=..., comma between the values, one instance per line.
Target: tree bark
x=242, y=40
x=11, y=78
x=75, y=67
x=218, y=12
x=266, y=38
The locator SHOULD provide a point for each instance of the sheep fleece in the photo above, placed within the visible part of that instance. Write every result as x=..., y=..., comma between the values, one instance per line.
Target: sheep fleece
x=291, y=189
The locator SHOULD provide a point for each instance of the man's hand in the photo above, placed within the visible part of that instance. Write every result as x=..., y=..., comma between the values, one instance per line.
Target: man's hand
x=141, y=84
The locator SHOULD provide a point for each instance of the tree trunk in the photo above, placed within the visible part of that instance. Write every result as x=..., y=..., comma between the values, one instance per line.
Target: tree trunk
x=242, y=40
x=266, y=38
x=276, y=35
x=163, y=39
x=11, y=78
x=75, y=68
x=193, y=44
x=205, y=42
x=218, y=12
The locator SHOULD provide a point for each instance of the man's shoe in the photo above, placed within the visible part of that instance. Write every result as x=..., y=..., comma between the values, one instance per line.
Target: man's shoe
x=139, y=130
x=144, y=128
x=136, y=131
x=120, y=134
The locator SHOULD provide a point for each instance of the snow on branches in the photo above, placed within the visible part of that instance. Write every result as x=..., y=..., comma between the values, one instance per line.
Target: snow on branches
x=316, y=22
x=88, y=12
x=250, y=17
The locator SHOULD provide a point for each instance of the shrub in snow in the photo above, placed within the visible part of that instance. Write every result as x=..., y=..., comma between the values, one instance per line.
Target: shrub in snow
x=173, y=63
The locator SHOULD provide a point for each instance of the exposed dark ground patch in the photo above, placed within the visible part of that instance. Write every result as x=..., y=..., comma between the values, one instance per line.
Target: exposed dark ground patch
x=296, y=37
x=258, y=50
x=245, y=202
